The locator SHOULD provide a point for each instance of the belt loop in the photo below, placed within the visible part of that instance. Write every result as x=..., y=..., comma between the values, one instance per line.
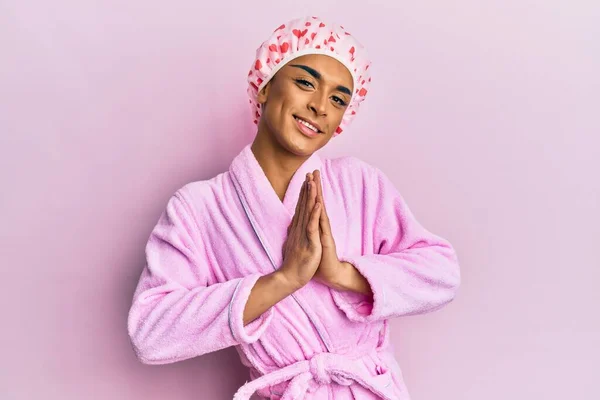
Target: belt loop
x=383, y=335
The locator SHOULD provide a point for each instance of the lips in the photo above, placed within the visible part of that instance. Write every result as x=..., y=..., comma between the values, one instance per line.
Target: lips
x=310, y=122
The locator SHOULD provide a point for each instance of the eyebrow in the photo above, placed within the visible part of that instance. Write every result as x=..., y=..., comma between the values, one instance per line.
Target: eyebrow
x=317, y=76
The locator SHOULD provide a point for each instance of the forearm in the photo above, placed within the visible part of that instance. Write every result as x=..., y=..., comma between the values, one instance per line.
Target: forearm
x=269, y=290
x=350, y=279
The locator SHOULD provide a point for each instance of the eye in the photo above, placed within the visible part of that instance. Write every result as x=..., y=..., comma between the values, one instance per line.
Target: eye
x=304, y=82
x=339, y=101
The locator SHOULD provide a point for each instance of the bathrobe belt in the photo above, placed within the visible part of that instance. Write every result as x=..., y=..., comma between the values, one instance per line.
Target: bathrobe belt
x=321, y=369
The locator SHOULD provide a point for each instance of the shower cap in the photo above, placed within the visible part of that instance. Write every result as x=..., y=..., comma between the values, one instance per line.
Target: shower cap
x=310, y=35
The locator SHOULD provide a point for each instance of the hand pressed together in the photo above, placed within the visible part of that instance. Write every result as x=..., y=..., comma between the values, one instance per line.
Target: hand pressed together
x=302, y=248
x=331, y=269
x=309, y=250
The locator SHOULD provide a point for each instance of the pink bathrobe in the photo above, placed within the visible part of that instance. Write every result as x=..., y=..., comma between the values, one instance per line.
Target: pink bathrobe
x=217, y=237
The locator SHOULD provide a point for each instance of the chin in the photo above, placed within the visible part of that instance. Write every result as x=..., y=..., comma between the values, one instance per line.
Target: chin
x=295, y=142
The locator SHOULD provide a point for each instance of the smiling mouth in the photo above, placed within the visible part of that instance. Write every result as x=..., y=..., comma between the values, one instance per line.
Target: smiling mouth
x=307, y=124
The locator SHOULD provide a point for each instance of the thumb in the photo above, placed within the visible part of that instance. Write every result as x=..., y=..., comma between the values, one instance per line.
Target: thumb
x=324, y=224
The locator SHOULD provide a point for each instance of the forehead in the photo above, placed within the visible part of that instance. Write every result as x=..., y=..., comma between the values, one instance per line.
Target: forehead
x=332, y=71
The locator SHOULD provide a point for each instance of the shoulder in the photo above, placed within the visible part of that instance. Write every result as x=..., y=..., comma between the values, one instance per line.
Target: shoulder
x=198, y=196
x=348, y=164
x=352, y=168
x=359, y=179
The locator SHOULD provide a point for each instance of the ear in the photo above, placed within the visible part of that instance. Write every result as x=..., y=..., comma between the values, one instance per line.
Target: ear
x=264, y=93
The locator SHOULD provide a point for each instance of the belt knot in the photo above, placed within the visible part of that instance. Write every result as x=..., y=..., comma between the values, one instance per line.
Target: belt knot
x=323, y=369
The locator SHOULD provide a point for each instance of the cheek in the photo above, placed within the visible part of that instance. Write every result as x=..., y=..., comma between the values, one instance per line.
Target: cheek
x=337, y=115
x=277, y=113
x=283, y=100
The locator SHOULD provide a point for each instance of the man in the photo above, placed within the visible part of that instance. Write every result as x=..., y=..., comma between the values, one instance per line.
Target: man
x=297, y=261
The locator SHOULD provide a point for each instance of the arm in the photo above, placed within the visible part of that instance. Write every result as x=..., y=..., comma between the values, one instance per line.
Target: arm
x=176, y=313
x=268, y=291
x=409, y=270
x=350, y=279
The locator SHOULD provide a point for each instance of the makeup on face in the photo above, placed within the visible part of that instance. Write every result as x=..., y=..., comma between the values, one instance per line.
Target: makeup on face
x=319, y=77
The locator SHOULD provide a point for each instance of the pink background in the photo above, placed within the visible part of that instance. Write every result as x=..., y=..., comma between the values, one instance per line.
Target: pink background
x=485, y=115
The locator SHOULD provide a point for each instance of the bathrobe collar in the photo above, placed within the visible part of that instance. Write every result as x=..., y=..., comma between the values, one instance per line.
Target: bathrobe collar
x=270, y=214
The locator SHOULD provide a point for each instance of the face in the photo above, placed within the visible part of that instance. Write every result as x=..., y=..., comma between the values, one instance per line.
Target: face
x=310, y=92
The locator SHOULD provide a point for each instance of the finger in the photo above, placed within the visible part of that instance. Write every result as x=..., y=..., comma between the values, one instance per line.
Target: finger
x=320, y=191
x=310, y=202
x=317, y=176
x=311, y=178
x=312, y=229
x=324, y=224
x=324, y=219
x=296, y=218
x=304, y=210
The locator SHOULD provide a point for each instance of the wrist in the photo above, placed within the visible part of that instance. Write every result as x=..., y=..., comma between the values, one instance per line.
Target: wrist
x=285, y=282
x=340, y=279
x=352, y=280
x=343, y=278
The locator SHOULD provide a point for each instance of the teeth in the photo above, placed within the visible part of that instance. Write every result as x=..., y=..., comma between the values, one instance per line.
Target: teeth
x=307, y=125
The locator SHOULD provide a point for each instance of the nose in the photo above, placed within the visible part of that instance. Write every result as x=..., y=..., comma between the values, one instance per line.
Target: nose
x=318, y=103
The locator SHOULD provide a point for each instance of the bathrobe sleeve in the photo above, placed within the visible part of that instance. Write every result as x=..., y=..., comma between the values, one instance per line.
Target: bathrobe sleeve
x=176, y=313
x=410, y=270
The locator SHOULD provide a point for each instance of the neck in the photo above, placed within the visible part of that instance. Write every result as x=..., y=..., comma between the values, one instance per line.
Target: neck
x=278, y=164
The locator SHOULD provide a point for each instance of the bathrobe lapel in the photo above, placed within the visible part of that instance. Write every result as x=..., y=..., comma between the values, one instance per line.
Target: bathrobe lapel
x=271, y=216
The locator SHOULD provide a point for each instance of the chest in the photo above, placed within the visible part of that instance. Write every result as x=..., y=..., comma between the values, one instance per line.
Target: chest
x=240, y=242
